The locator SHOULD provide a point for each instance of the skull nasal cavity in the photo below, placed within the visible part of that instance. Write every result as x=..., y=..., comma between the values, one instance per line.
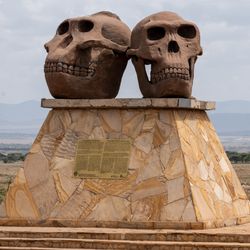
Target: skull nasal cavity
x=66, y=41
x=173, y=47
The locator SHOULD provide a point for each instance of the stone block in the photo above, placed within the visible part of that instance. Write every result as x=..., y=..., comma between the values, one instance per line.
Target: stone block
x=147, y=103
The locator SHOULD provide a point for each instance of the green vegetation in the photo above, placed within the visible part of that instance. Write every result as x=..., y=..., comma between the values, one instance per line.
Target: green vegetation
x=2, y=193
x=12, y=157
x=4, y=185
x=236, y=157
x=14, y=148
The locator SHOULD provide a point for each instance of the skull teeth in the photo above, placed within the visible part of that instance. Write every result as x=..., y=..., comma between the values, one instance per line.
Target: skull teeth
x=51, y=67
x=170, y=72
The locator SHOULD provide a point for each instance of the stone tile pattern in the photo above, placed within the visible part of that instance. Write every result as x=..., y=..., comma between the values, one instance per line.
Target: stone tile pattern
x=178, y=171
x=124, y=103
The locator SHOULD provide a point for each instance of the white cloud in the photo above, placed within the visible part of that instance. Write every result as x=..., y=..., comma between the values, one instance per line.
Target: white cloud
x=221, y=73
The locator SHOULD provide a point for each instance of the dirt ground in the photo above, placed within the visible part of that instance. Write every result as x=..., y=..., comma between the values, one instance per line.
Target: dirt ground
x=8, y=171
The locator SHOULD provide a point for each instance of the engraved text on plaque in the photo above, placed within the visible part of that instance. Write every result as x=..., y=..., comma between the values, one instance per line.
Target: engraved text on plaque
x=102, y=158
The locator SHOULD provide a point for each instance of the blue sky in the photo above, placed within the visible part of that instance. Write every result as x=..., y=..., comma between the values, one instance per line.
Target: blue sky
x=222, y=73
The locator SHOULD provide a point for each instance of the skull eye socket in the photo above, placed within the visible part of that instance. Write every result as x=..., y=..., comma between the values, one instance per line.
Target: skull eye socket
x=187, y=31
x=63, y=28
x=156, y=33
x=85, y=26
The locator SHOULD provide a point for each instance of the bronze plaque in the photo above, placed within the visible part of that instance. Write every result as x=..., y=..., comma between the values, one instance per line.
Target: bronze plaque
x=102, y=158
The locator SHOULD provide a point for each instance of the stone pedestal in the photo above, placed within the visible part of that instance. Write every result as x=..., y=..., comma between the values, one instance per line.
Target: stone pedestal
x=178, y=175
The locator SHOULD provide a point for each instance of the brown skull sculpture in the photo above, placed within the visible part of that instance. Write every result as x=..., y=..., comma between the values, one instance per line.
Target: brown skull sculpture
x=171, y=45
x=87, y=57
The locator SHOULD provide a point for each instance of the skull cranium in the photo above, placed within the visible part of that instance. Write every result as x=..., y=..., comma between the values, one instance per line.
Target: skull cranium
x=87, y=57
x=171, y=45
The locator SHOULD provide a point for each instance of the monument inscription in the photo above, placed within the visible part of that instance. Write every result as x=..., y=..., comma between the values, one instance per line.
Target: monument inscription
x=102, y=158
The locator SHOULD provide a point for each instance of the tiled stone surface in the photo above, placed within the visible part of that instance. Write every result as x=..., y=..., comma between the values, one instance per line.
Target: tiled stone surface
x=216, y=190
x=178, y=171
x=19, y=202
x=124, y=103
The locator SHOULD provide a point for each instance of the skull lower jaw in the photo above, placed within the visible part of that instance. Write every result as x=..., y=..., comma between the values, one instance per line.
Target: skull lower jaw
x=167, y=88
x=62, y=85
x=167, y=80
x=174, y=87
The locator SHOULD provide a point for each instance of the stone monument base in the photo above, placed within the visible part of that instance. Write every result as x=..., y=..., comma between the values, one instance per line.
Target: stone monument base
x=178, y=174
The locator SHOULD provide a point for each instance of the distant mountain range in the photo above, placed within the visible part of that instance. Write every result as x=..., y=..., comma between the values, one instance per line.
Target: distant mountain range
x=230, y=118
x=25, y=111
x=24, y=117
x=233, y=107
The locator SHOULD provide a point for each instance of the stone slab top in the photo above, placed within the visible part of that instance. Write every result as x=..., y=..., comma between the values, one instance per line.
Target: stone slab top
x=128, y=103
x=224, y=231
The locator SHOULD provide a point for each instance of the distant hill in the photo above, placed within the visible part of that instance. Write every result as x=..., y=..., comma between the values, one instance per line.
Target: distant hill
x=23, y=118
x=233, y=107
x=231, y=124
x=22, y=112
x=230, y=117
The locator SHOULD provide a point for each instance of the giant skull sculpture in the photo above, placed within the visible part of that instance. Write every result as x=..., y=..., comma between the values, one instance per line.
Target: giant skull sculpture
x=171, y=45
x=87, y=57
